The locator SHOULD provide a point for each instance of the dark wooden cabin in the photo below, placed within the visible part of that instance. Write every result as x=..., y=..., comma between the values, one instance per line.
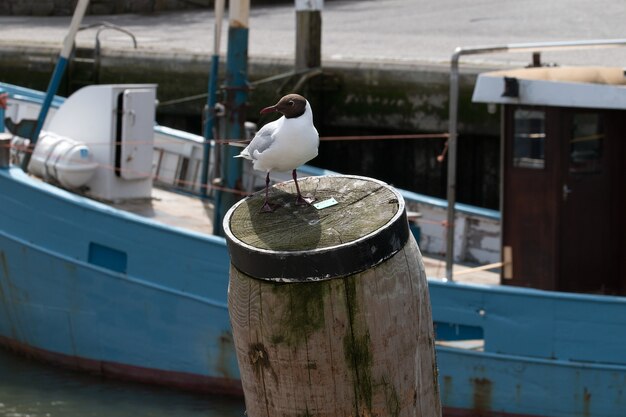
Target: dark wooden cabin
x=564, y=176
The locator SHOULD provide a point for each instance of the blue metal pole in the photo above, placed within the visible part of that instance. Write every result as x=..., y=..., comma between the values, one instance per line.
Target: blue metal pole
x=212, y=97
x=209, y=124
x=236, y=97
x=53, y=86
x=57, y=74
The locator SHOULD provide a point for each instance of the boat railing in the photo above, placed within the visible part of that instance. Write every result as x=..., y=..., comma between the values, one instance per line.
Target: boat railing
x=177, y=164
x=178, y=160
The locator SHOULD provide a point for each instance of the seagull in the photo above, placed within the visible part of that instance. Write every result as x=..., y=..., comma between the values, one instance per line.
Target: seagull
x=284, y=144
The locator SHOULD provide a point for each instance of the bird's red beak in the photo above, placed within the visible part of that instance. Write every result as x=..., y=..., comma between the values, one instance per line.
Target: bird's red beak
x=3, y=100
x=269, y=109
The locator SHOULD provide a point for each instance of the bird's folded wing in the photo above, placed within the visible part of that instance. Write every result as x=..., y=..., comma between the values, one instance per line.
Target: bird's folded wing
x=261, y=142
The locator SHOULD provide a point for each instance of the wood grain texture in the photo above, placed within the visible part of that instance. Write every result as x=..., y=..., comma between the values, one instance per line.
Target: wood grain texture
x=364, y=206
x=360, y=345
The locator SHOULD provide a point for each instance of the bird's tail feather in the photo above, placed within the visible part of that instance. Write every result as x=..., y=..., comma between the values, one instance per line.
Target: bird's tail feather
x=243, y=154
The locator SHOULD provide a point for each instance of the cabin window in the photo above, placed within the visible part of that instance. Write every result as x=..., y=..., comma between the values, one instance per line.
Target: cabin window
x=585, y=152
x=529, y=136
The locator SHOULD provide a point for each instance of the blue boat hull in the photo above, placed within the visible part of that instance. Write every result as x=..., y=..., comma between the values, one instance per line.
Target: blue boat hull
x=162, y=319
x=542, y=353
x=487, y=384
x=94, y=288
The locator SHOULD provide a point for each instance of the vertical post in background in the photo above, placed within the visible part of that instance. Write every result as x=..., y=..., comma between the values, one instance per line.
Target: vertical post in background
x=235, y=103
x=308, y=33
x=209, y=121
x=452, y=150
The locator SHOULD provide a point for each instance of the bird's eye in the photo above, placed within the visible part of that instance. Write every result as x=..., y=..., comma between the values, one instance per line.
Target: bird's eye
x=291, y=103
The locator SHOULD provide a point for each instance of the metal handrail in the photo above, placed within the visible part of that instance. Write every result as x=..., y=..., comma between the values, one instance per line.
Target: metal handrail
x=102, y=26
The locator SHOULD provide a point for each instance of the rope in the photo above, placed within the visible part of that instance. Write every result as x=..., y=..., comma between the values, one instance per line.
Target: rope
x=252, y=84
x=353, y=138
x=387, y=137
x=192, y=184
x=246, y=141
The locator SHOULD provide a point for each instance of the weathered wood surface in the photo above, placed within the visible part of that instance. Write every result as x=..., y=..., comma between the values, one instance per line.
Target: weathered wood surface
x=364, y=206
x=308, y=39
x=356, y=345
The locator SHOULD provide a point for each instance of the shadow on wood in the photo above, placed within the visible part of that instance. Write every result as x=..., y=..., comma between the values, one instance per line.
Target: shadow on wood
x=339, y=328
x=259, y=229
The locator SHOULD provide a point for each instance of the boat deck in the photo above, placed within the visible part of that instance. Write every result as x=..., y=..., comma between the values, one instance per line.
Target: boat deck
x=436, y=268
x=189, y=212
x=173, y=209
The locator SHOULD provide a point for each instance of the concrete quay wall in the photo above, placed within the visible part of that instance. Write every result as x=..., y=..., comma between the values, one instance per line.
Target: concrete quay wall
x=371, y=96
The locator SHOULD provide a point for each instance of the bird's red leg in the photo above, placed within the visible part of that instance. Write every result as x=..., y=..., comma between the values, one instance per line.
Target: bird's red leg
x=300, y=201
x=266, y=207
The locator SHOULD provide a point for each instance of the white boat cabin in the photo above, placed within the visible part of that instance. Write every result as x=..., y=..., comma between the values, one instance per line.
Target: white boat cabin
x=563, y=175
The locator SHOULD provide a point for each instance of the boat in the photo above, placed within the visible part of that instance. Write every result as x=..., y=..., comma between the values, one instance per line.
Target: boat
x=109, y=264
x=549, y=340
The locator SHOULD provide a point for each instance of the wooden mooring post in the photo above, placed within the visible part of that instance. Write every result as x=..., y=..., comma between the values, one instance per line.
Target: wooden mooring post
x=308, y=34
x=329, y=306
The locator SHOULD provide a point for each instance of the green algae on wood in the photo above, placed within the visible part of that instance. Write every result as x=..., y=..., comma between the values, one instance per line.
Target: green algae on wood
x=304, y=313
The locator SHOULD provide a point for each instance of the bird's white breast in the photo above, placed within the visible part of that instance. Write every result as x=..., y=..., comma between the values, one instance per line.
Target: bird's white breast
x=295, y=142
